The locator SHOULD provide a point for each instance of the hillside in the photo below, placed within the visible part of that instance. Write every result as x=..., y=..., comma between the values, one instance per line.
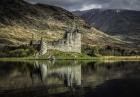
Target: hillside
x=19, y=20
x=123, y=24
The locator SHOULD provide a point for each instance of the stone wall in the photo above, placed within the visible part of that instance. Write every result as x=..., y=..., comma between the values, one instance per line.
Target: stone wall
x=71, y=42
x=43, y=47
x=40, y=46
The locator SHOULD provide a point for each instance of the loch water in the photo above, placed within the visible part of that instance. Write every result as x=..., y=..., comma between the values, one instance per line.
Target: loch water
x=69, y=79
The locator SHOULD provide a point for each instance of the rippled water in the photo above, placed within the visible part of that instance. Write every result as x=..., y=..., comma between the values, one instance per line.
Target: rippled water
x=69, y=79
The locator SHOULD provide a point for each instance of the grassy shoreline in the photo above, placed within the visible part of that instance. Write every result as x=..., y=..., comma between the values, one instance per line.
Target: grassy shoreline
x=121, y=58
x=58, y=55
x=100, y=58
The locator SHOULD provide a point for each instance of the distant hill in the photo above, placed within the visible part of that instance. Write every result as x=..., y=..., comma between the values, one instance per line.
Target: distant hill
x=123, y=24
x=79, y=13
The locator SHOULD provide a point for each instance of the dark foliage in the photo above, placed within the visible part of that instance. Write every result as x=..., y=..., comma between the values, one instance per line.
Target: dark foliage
x=17, y=51
x=108, y=51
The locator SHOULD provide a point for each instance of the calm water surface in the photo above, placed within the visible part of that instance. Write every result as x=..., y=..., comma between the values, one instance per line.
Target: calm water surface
x=69, y=79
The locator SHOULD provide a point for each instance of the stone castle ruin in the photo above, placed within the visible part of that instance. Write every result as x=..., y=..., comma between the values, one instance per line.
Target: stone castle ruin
x=39, y=45
x=71, y=42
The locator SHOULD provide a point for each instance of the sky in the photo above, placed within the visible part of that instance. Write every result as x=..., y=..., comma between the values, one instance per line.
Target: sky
x=73, y=5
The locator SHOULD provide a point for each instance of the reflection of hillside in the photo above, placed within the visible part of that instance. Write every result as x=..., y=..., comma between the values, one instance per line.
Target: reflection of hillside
x=94, y=74
x=63, y=74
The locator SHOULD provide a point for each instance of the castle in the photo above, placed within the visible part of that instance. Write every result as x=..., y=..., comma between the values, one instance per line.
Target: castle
x=71, y=42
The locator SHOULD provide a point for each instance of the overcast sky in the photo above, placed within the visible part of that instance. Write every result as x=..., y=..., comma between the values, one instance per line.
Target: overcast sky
x=89, y=4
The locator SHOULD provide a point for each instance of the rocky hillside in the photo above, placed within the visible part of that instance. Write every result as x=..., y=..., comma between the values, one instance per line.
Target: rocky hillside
x=124, y=24
x=20, y=20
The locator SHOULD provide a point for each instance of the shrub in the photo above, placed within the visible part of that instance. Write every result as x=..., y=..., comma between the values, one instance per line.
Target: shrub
x=19, y=51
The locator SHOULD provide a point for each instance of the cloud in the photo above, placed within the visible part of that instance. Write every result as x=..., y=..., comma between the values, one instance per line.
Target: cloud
x=86, y=7
x=89, y=4
x=123, y=4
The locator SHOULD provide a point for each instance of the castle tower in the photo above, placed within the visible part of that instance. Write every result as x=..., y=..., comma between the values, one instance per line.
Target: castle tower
x=43, y=47
x=77, y=40
x=73, y=40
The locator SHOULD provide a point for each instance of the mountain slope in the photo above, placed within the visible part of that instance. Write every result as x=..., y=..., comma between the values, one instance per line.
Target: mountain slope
x=20, y=20
x=124, y=24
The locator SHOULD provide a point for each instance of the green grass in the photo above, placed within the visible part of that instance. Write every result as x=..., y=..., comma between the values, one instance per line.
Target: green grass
x=59, y=55
x=64, y=55
x=55, y=53
x=121, y=58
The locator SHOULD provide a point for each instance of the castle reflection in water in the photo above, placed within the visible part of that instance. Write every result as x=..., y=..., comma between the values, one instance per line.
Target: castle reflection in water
x=62, y=75
x=71, y=75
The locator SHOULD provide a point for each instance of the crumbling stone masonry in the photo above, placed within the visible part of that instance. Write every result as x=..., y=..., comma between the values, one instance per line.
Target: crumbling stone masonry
x=71, y=42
